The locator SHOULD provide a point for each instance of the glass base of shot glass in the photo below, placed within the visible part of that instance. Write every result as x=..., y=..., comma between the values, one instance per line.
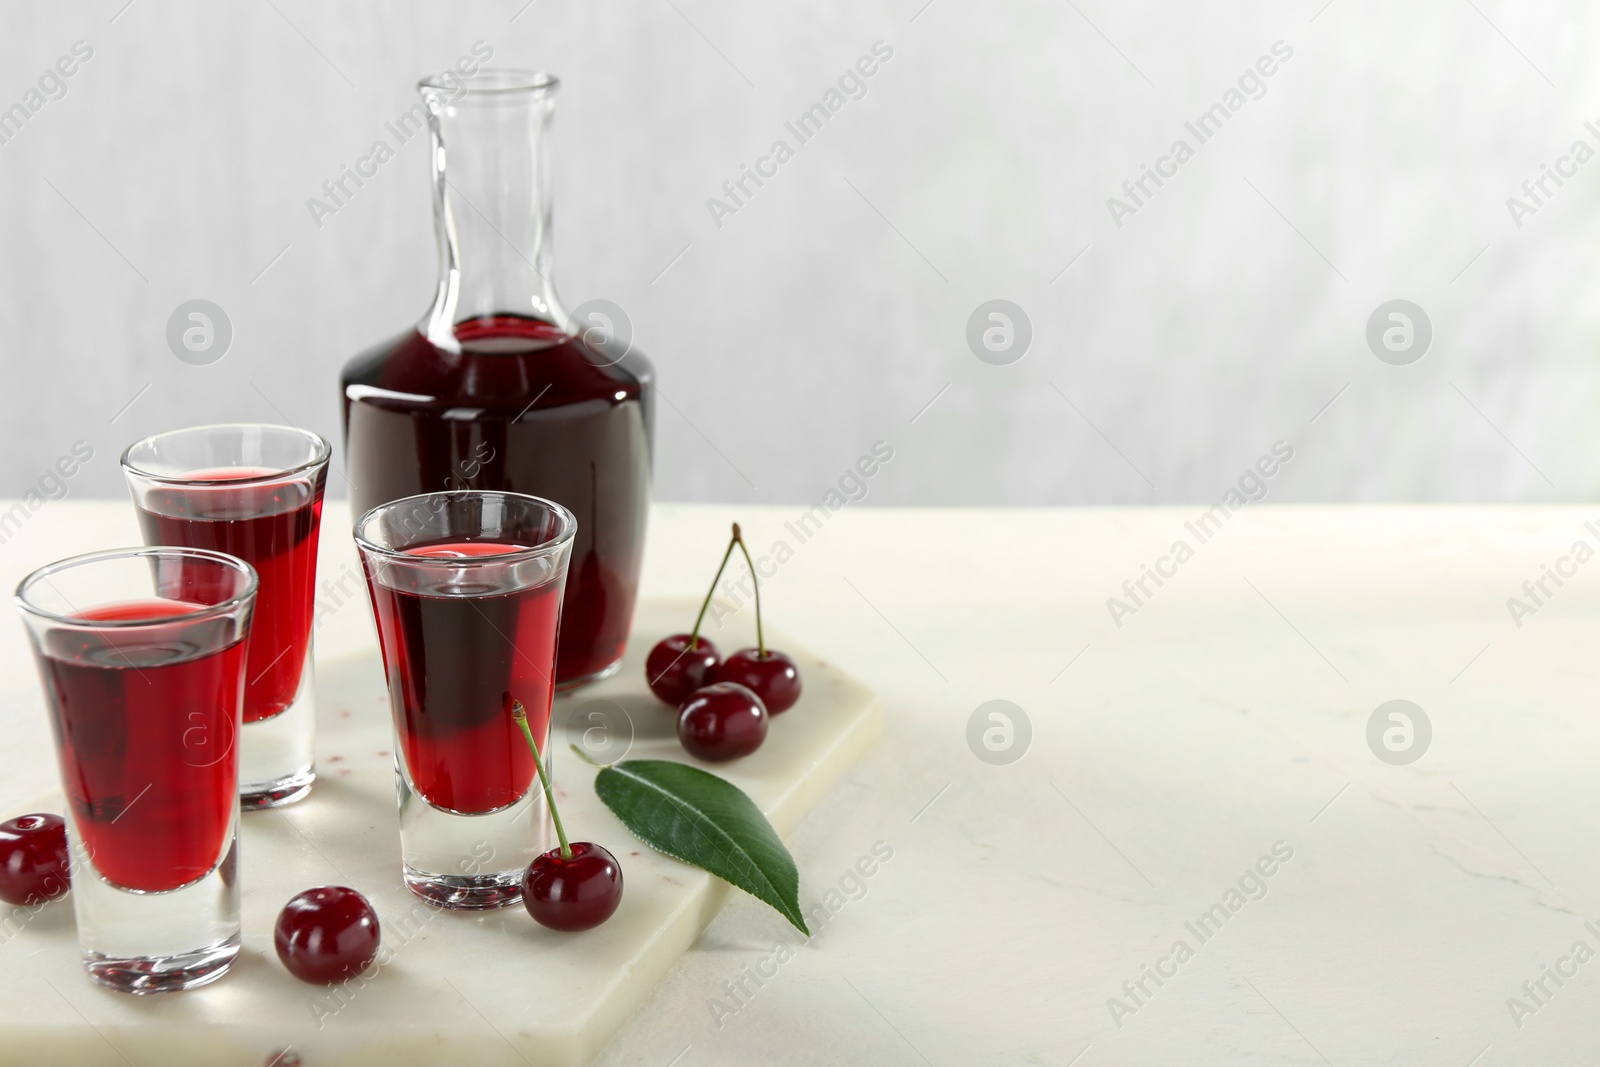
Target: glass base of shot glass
x=157, y=942
x=162, y=974
x=276, y=755
x=470, y=862
x=589, y=679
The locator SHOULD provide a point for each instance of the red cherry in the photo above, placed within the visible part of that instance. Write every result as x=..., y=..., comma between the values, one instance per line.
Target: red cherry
x=722, y=721
x=770, y=675
x=576, y=892
x=327, y=934
x=675, y=668
x=34, y=863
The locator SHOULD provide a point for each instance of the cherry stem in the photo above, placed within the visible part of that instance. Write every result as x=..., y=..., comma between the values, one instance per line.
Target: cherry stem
x=519, y=713
x=581, y=754
x=694, y=635
x=761, y=645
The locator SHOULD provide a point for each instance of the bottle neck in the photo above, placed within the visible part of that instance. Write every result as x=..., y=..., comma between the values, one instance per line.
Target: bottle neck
x=491, y=205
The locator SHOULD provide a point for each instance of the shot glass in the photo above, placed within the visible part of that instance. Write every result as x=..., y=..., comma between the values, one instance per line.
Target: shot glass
x=142, y=655
x=466, y=587
x=254, y=492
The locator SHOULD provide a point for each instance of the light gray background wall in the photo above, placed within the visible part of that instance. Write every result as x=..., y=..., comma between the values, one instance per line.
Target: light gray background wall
x=1167, y=354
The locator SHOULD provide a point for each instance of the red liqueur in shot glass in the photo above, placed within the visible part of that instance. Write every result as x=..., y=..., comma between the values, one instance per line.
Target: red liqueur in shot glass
x=467, y=589
x=254, y=492
x=141, y=653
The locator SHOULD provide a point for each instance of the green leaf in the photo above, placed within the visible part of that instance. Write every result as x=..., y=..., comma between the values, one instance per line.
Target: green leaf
x=707, y=822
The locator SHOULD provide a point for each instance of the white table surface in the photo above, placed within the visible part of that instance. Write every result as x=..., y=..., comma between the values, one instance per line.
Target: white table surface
x=1229, y=713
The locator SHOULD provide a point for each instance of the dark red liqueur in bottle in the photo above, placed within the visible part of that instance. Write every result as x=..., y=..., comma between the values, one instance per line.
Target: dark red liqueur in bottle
x=499, y=387
x=523, y=408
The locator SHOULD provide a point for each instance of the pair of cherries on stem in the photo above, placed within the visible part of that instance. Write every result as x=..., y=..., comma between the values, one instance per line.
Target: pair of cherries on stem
x=723, y=704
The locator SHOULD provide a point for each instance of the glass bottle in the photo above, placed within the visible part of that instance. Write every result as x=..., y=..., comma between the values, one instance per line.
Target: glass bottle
x=499, y=387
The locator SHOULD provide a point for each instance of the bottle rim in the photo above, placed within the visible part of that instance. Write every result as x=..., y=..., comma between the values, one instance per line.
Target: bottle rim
x=498, y=82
